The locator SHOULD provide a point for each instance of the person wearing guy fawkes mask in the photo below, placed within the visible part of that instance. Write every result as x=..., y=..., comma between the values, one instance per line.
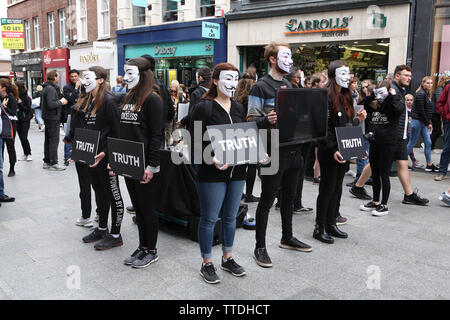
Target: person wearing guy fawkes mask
x=383, y=116
x=261, y=105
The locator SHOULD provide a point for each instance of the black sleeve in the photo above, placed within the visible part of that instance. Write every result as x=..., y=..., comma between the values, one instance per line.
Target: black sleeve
x=155, y=110
x=11, y=106
x=70, y=94
x=168, y=101
x=52, y=99
x=113, y=125
x=331, y=141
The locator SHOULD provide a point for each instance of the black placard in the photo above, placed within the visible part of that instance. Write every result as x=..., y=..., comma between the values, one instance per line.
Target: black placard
x=350, y=142
x=302, y=115
x=236, y=144
x=127, y=158
x=85, y=145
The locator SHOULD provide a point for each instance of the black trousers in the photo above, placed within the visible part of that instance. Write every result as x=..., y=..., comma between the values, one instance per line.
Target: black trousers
x=310, y=159
x=85, y=183
x=143, y=198
x=250, y=179
x=51, y=141
x=22, y=130
x=330, y=188
x=107, y=195
x=437, y=129
x=286, y=178
x=10, y=146
x=381, y=159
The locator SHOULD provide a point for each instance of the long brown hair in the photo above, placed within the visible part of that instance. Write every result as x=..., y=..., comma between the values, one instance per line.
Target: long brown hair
x=11, y=89
x=211, y=94
x=86, y=100
x=244, y=85
x=344, y=97
x=145, y=86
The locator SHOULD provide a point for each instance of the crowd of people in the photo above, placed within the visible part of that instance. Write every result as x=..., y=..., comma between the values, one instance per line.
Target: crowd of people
x=141, y=109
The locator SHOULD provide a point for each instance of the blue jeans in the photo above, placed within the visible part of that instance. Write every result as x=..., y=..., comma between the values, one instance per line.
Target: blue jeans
x=212, y=196
x=418, y=128
x=360, y=163
x=38, y=114
x=67, y=146
x=2, y=185
x=445, y=155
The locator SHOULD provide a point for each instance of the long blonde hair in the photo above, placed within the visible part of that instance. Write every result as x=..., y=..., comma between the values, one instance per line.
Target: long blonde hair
x=425, y=79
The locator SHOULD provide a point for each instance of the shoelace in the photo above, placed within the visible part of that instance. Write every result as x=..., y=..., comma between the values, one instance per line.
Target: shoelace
x=210, y=269
x=233, y=263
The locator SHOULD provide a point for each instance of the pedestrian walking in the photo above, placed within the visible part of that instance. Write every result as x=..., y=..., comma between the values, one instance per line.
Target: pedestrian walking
x=24, y=115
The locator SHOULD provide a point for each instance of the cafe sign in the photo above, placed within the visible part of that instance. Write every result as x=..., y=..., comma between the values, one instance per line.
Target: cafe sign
x=328, y=27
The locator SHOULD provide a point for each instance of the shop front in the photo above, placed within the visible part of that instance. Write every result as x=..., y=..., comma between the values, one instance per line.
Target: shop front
x=179, y=48
x=440, y=55
x=27, y=67
x=58, y=60
x=100, y=54
x=364, y=38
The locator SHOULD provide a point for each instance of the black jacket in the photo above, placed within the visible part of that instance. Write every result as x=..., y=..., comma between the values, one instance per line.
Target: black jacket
x=423, y=107
x=403, y=119
x=50, y=104
x=25, y=113
x=71, y=94
x=11, y=105
x=168, y=109
x=196, y=97
x=210, y=113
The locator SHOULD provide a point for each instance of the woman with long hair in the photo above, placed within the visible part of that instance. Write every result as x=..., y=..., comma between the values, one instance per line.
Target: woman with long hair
x=332, y=165
x=24, y=115
x=9, y=95
x=242, y=91
x=421, y=114
x=219, y=185
x=102, y=114
x=141, y=120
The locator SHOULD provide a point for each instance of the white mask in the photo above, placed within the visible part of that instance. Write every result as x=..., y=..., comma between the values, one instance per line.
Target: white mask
x=228, y=81
x=381, y=94
x=343, y=76
x=88, y=81
x=285, y=59
x=131, y=77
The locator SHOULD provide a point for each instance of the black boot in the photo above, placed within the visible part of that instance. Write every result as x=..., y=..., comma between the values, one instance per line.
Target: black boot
x=321, y=234
x=335, y=232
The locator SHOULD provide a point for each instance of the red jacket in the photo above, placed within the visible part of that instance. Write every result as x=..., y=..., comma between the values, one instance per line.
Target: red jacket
x=443, y=104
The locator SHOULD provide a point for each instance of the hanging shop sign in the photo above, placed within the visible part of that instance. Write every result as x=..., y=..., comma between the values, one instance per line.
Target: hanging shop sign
x=12, y=34
x=332, y=27
x=173, y=49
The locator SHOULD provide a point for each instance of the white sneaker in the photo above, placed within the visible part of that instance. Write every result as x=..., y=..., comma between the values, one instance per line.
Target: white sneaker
x=29, y=157
x=84, y=222
x=23, y=158
x=380, y=211
x=57, y=167
x=46, y=165
x=437, y=151
x=351, y=173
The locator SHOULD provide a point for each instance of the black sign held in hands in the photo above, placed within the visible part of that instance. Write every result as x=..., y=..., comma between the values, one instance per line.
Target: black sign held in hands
x=351, y=142
x=85, y=145
x=127, y=158
x=236, y=144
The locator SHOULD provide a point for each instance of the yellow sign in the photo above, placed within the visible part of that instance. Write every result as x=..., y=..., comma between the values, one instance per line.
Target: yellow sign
x=12, y=34
x=172, y=75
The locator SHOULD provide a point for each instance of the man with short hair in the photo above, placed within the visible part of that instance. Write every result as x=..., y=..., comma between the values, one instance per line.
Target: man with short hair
x=261, y=105
x=402, y=79
x=51, y=106
x=71, y=91
x=119, y=88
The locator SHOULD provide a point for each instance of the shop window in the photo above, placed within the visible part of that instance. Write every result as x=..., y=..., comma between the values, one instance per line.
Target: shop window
x=37, y=42
x=82, y=32
x=138, y=17
x=51, y=29
x=170, y=12
x=62, y=27
x=440, y=58
x=207, y=8
x=27, y=35
x=103, y=18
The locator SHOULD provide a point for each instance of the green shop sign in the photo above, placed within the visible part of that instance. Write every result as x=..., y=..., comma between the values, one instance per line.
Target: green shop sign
x=324, y=25
x=172, y=49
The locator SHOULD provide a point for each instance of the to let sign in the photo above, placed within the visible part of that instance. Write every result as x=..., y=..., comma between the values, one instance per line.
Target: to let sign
x=210, y=30
x=127, y=158
x=350, y=142
x=85, y=145
x=12, y=34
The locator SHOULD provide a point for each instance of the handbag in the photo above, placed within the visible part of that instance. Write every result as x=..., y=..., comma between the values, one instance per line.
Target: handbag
x=6, y=125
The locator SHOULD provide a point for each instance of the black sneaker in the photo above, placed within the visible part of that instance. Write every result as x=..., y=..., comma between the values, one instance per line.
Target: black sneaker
x=109, y=242
x=415, y=199
x=295, y=244
x=251, y=198
x=303, y=209
x=380, y=211
x=6, y=198
x=360, y=193
x=262, y=258
x=231, y=266
x=12, y=173
x=131, y=210
x=95, y=235
x=208, y=272
x=368, y=206
x=137, y=254
x=431, y=168
x=147, y=259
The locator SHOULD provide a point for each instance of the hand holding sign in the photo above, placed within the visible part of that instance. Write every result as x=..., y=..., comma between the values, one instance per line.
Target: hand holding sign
x=338, y=157
x=97, y=159
x=272, y=117
x=361, y=115
x=217, y=164
x=148, y=175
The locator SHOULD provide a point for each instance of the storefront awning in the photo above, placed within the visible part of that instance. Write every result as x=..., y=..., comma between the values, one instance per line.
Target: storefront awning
x=140, y=3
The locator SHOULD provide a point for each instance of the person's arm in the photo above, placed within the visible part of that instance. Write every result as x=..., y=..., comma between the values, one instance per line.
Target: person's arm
x=70, y=94
x=155, y=113
x=255, y=109
x=52, y=99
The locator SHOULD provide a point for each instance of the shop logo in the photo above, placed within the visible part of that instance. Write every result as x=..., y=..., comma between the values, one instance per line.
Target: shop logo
x=170, y=51
x=336, y=26
x=90, y=58
x=376, y=19
x=47, y=59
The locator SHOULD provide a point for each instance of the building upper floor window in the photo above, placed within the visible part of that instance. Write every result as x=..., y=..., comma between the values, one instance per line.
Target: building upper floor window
x=207, y=8
x=138, y=15
x=37, y=35
x=62, y=27
x=82, y=31
x=103, y=18
x=27, y=35
x=51, y=29
x=170, y=10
